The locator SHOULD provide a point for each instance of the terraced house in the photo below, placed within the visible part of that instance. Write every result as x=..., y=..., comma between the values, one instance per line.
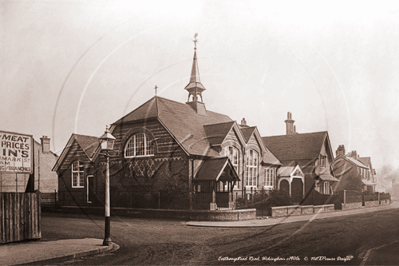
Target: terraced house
x=354, y=172
x=169, y=154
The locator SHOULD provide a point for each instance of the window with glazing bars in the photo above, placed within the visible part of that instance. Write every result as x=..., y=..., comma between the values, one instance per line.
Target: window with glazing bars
x=252, y=168
x=77, y=174
x=139, y=145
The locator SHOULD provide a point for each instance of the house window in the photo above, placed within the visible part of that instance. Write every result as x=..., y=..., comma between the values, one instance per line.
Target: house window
x=323, y=160
x=139, y=145
x=77, y=174
x=326, y=188
x=269, y=178
x=234, y=155
x=252, y=168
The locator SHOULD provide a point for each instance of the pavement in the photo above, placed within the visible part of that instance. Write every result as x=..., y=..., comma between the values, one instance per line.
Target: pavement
x=268, y=221
x=39, y=251
x=36, y=250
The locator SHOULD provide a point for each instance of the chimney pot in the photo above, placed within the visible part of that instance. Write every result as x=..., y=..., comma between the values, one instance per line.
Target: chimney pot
x=243, y=122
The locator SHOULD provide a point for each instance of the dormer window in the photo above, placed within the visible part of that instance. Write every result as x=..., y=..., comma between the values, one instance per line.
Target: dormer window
x=323, y=160
x=139, y=145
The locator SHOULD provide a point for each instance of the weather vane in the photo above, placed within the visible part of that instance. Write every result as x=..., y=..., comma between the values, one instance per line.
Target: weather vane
x=195, y=41
x=156, y=90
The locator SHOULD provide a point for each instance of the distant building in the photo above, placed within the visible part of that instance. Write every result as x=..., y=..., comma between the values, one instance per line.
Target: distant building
x=15, y=174
x=309, y=155
x=354, y=172
x=169, y=155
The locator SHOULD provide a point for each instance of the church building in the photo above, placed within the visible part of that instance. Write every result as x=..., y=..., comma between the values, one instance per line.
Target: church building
x=169, y=154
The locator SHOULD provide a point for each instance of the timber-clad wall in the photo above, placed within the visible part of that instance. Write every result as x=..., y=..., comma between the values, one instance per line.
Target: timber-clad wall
x=20, y=217
x=67, y=194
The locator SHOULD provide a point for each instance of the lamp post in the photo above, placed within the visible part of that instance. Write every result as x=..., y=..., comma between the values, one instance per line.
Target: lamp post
x=107, y=144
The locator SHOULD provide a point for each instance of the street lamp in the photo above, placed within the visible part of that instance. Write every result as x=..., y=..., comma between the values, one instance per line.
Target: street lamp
x=107, y=144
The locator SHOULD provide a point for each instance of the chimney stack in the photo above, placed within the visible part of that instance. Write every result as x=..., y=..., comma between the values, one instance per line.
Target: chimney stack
x=290, y=129
x=243, y=122
x=45, y=141
x=354, y=155
x=340, y=150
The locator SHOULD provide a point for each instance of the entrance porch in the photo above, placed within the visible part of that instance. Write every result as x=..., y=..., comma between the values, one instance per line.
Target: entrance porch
x=214, y=183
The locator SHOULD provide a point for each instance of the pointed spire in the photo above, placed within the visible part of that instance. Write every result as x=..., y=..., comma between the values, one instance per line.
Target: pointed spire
x=195, y=87
x=195, y=77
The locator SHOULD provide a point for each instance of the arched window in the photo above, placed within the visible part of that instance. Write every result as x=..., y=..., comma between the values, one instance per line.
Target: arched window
x=139, y=145
x=77, y=174
x=252, y=168
x=234, y=155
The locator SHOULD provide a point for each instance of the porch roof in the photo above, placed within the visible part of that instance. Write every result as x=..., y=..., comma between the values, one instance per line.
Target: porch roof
x=328, y=177
x=367, y=182
x=217, y=169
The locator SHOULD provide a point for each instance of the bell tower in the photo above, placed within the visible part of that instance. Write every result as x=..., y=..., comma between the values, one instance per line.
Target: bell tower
x=195, y=87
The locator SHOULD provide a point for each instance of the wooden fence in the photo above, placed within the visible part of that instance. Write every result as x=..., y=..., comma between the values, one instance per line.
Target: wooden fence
x=20, y=217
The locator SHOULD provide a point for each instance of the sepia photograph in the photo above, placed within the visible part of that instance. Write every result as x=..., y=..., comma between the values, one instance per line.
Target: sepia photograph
x=198, y=132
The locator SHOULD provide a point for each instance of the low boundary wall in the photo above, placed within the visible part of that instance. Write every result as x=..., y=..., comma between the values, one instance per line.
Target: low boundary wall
x=197, y=215
x=357, y=205
x=352, y=205
x=300, y=209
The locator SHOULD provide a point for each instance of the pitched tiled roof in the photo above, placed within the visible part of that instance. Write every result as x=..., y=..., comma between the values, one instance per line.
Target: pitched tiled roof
x=269, y=158
x=366, y=161
x=247, y=132
x=357, y=162
x=328, y=177
x=214, y=169
x=285, y=171
x=88, y=144
x=147, y=110
x=305, y=146
x=216, y=133
x=185, y=125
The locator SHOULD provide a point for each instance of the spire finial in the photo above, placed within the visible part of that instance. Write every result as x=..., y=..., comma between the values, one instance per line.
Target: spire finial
x=156, y=87
x=195, y=41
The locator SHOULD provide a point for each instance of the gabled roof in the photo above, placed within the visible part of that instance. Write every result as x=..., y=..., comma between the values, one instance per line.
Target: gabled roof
x=88, y=144
x=268, y=157
x=287, y=171
x=304, y=146
x=215, y=169
x=351, y=160
x=366, y=161
x=182, y=122
x=216, y=133
x=247, y=132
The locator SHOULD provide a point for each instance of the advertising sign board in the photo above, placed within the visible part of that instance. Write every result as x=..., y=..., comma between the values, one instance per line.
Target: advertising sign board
x=16, y=152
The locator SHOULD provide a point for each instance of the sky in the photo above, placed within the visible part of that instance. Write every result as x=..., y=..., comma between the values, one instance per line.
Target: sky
x=71, y=66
